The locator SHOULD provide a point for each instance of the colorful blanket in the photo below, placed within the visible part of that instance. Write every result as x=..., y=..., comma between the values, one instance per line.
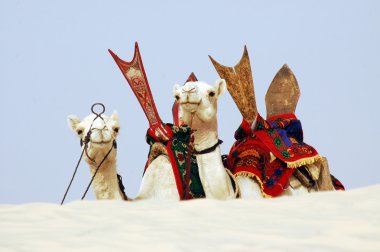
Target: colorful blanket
x=270, y=151
x=177, y=149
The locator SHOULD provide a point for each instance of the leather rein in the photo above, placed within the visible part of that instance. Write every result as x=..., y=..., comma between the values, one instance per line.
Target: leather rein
x=208, y=150
x=84, y=144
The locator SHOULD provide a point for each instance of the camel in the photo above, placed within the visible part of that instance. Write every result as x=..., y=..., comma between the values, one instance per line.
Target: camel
x=198, y=102
x=198, y=106
x=101, y=141
x=158, y=181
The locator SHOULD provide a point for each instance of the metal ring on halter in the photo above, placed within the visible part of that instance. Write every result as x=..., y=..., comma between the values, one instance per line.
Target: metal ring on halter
x=100, y=104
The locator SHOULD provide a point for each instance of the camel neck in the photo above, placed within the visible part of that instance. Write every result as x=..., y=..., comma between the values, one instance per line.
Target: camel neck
x=105, y=183
x=205, y=135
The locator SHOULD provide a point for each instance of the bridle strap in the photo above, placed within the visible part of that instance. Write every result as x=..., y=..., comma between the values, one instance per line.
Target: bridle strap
x=72, y=178
x=208, y=150
x=85, y=141
x=190, y=151
x=97, y=169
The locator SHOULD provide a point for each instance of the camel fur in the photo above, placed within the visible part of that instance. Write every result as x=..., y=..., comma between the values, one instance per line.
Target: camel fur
x=198, y=105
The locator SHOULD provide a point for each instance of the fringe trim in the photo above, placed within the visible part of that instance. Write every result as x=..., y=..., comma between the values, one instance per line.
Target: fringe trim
x=304, y=161
x=257, y=179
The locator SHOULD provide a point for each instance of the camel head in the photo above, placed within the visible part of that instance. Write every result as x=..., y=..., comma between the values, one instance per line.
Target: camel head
x=199, y=100
x=103, y=133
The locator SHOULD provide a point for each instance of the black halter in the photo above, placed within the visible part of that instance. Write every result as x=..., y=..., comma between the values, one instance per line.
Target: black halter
x=208, y=150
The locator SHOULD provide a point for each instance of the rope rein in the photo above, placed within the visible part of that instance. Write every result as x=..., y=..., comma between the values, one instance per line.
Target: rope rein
x=208, y=150
x=97, y=169
x=75, y=171
x=188, y=162
x=191, y=150
x=84, y=150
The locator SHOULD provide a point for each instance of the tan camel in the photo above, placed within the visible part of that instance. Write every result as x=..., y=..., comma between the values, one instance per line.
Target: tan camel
x=104, y=133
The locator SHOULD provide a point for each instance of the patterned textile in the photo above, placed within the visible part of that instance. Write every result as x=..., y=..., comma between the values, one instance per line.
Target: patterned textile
x=284, y=137
x=337, y=184
x=177, y=148
x=270, y=151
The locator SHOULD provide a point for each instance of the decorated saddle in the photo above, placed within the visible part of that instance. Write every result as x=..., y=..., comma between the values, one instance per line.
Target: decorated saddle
x=270, y=151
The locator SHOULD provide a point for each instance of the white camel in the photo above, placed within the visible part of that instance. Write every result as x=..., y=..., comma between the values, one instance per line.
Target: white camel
x=198, y=105
x=158, y=181
x=101, y=141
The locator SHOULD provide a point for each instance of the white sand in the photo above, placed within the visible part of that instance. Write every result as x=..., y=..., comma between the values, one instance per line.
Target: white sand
x=333, y=221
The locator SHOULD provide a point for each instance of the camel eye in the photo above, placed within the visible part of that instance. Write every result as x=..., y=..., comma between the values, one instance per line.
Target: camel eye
x=116, y=130
x=177, y=97
x=79, y=132
x=211, y=94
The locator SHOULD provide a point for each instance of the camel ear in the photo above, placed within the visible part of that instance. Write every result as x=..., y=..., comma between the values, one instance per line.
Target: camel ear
x=220, y=86
x=175, y=88
x=115, y=116
x=73, y=121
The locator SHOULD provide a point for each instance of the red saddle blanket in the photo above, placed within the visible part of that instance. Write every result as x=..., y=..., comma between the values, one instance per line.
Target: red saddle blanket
x=251, y=153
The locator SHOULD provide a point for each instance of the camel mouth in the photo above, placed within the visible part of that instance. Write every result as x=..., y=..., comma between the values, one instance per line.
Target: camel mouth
x=190, y=103
x=101, y=142
x=190, y=106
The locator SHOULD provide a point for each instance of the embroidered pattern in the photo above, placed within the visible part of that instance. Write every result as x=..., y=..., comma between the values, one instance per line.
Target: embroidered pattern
x=177, y=149
x=250, y=154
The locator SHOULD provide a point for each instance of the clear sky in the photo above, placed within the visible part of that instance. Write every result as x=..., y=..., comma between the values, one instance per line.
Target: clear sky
x=54, y=62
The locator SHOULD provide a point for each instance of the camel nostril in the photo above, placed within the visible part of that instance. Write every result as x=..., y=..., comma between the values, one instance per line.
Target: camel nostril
x=177, y=97
x=116, y=130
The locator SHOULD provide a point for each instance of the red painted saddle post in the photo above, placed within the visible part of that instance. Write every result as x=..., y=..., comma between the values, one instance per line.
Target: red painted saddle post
x=134, y=73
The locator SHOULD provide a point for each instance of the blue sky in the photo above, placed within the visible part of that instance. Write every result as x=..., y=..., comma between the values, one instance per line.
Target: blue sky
x=54, y=62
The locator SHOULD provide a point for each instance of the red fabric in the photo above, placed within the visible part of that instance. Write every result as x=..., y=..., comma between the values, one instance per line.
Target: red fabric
x=283, y=135
x=250, y=154
x=251, y=157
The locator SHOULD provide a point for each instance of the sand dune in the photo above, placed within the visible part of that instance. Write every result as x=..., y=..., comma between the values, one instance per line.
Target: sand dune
x=331, y=221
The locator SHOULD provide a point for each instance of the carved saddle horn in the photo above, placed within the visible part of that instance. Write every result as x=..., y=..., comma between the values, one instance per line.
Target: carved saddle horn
x=283, y=93
x=240, y=85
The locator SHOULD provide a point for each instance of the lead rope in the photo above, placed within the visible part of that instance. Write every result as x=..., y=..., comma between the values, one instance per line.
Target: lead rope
x=86, y=141
x=188, y=162
x=188, y=166
x=76, y=168
x=97, y=169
